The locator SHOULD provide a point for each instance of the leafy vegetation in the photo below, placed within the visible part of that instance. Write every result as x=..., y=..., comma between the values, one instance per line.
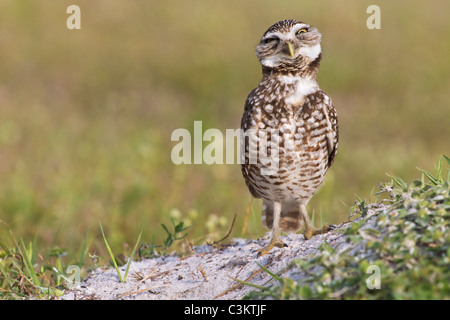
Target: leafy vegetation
x=27, y=274
x=409, y=244
x=23, y=277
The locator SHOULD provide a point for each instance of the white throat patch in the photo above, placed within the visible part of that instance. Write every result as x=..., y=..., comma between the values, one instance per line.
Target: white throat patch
x=303, y=88
x=311, y=52
x=270, y=62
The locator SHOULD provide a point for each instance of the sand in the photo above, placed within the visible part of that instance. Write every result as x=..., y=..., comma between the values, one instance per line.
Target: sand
x=208, y=273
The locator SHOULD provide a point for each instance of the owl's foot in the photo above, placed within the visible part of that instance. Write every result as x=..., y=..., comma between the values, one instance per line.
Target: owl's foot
x=273, y=243
x=310, y=232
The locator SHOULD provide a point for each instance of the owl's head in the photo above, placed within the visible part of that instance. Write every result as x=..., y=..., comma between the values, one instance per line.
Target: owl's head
x=289, y=46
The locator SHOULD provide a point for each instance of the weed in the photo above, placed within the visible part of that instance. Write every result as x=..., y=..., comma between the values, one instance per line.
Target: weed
x=176, y=235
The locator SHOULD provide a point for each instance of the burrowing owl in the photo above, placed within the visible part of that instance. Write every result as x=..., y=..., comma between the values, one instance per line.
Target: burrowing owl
x=295, y=122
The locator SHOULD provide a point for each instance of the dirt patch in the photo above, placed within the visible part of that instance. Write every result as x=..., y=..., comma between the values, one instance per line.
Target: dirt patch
x=209, y=273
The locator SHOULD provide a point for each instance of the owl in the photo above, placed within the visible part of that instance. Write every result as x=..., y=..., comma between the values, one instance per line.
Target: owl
x=290, y=130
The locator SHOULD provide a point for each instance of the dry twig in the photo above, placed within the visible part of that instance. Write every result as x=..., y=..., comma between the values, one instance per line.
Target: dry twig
x=199, y=268
x=226, y=236
x=142, y=280
x=254, y=273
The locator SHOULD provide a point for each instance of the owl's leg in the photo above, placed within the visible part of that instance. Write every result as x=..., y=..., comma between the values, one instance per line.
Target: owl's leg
x=275, y=241
x=309, y=228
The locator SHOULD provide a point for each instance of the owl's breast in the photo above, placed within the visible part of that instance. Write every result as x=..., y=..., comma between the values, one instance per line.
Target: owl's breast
x=286, y=148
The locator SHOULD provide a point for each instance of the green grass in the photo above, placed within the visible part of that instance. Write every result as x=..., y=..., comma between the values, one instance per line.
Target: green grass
x=114, y=259
x=86, y=116
x=28, y=274
x=23, y=277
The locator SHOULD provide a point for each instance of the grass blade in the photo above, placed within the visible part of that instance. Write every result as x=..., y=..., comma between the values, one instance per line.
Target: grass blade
x=447, y=158
x=28, y=264
x=273, y=275
x=439, y=171
x=132, y=255
x=84, y=250
x=250, y=284
x=399, y=181
x=111, y=254
x=430, y=177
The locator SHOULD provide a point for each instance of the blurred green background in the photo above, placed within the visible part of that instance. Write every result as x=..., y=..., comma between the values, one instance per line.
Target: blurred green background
x=86, y=115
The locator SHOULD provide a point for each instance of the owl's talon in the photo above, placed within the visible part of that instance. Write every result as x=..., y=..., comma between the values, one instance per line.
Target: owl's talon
x=263, y=251
x=326, y=228
x=272, y=244
x=280, y=244
x=310, y=232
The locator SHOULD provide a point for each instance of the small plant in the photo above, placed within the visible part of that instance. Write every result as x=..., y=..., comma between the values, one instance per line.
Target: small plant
x=178, y=229
x=113, y=258
x=360, y=208
x=148, y=250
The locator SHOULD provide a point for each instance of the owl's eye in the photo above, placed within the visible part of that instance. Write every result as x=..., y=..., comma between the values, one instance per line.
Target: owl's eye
x=303, y=30
x=270, y=40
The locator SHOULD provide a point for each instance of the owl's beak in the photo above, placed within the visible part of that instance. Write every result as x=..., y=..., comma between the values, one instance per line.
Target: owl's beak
x=291, y=49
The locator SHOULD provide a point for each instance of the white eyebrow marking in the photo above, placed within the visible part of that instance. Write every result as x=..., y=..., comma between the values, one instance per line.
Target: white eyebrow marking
x=273, y=35
x=286, y=36
x=299, y=26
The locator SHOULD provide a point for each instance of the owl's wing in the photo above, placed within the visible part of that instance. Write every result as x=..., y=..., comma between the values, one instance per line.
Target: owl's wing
x=247, y=109
x=332, y=128
x=245, y=124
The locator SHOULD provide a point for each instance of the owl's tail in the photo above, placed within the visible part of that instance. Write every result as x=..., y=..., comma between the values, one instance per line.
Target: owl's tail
x=291, y=219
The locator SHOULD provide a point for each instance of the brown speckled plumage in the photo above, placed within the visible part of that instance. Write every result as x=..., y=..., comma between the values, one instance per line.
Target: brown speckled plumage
x=289, y=106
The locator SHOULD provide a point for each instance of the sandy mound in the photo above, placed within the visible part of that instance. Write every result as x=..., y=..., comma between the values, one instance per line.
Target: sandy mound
x=209, y=273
